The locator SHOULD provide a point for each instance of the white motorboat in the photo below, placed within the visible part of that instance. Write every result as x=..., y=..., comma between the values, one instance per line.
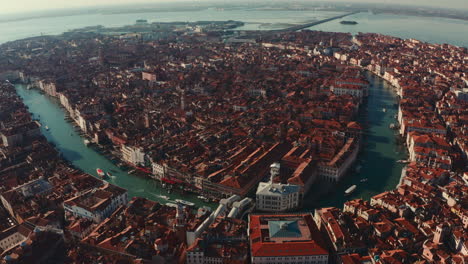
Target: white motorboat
x=185, y=202
x=350, y=190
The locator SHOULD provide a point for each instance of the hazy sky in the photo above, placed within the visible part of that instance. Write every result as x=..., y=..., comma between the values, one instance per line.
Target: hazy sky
x=20, y=6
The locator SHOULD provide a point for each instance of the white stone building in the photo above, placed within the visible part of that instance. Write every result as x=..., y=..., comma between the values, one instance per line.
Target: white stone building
x=277, y=197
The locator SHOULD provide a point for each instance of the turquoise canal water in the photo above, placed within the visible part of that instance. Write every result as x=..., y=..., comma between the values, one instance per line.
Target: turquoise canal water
x=380, y=151
x=71, y=145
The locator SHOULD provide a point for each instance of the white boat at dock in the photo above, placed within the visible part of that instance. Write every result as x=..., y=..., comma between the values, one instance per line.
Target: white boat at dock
x=350, y=190
x=171, y=205
x=203, y=198
x=46, y=128
x=403, y=161
x=86, y=142
x=164, y=197
x=363, y=180
x=185, y=202
x=392, y=126
x=384, y=110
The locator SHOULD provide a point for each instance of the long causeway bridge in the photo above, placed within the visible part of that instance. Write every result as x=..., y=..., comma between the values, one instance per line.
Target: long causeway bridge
x=303, y=26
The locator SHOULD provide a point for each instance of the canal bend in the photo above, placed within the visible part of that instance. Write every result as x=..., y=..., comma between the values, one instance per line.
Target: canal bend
x=377, y=160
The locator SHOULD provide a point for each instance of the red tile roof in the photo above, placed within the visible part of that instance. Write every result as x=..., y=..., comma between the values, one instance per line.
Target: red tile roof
x=306, y=246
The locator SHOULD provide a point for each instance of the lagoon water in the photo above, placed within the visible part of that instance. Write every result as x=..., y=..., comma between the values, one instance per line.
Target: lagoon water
x=254, y=20
x=428, y=29
x=378, y=160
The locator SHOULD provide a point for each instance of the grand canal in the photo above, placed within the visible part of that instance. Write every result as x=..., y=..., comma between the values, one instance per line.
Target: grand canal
x=377, y=161
x=71, y=145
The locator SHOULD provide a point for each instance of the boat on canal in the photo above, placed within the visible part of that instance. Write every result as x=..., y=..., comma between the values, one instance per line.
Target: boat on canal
x=384, y=110
x=47, y=128
x=203, y=198
x=164, y=197
x=364, y=180
x=109, y=174
x=350, y=190
x=185, y=202
x=100, y=173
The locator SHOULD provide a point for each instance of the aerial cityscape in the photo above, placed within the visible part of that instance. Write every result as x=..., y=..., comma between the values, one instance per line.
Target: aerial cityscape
x=205, y=132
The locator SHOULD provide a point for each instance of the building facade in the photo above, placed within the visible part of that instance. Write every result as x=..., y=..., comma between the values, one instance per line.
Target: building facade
x=286, y=239
x=277, y=197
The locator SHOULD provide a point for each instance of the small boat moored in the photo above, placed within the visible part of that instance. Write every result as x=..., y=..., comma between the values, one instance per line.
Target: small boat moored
x=363, y=180
x=164, y=197
x=185, y=202
x=384, y=110
x=350, y=190
x=47, y=128
x=100, y=173
x=203, y=198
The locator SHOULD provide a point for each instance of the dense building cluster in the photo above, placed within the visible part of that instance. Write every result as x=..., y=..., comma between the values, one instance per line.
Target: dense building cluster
x=209, y=115
x=213, y=115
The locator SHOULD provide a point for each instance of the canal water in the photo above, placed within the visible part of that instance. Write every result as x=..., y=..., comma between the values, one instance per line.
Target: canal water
x=71, y=145
x=377, y=159
x=380, y=151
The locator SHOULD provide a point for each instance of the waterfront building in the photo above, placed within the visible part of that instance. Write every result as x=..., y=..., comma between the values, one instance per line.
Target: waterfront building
x=432, y=150
x=277, y=197
x=96, y=204
x=352, y=86
x=286, y=238
x=336, y=168
x=17, y=134
x=133, y=155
